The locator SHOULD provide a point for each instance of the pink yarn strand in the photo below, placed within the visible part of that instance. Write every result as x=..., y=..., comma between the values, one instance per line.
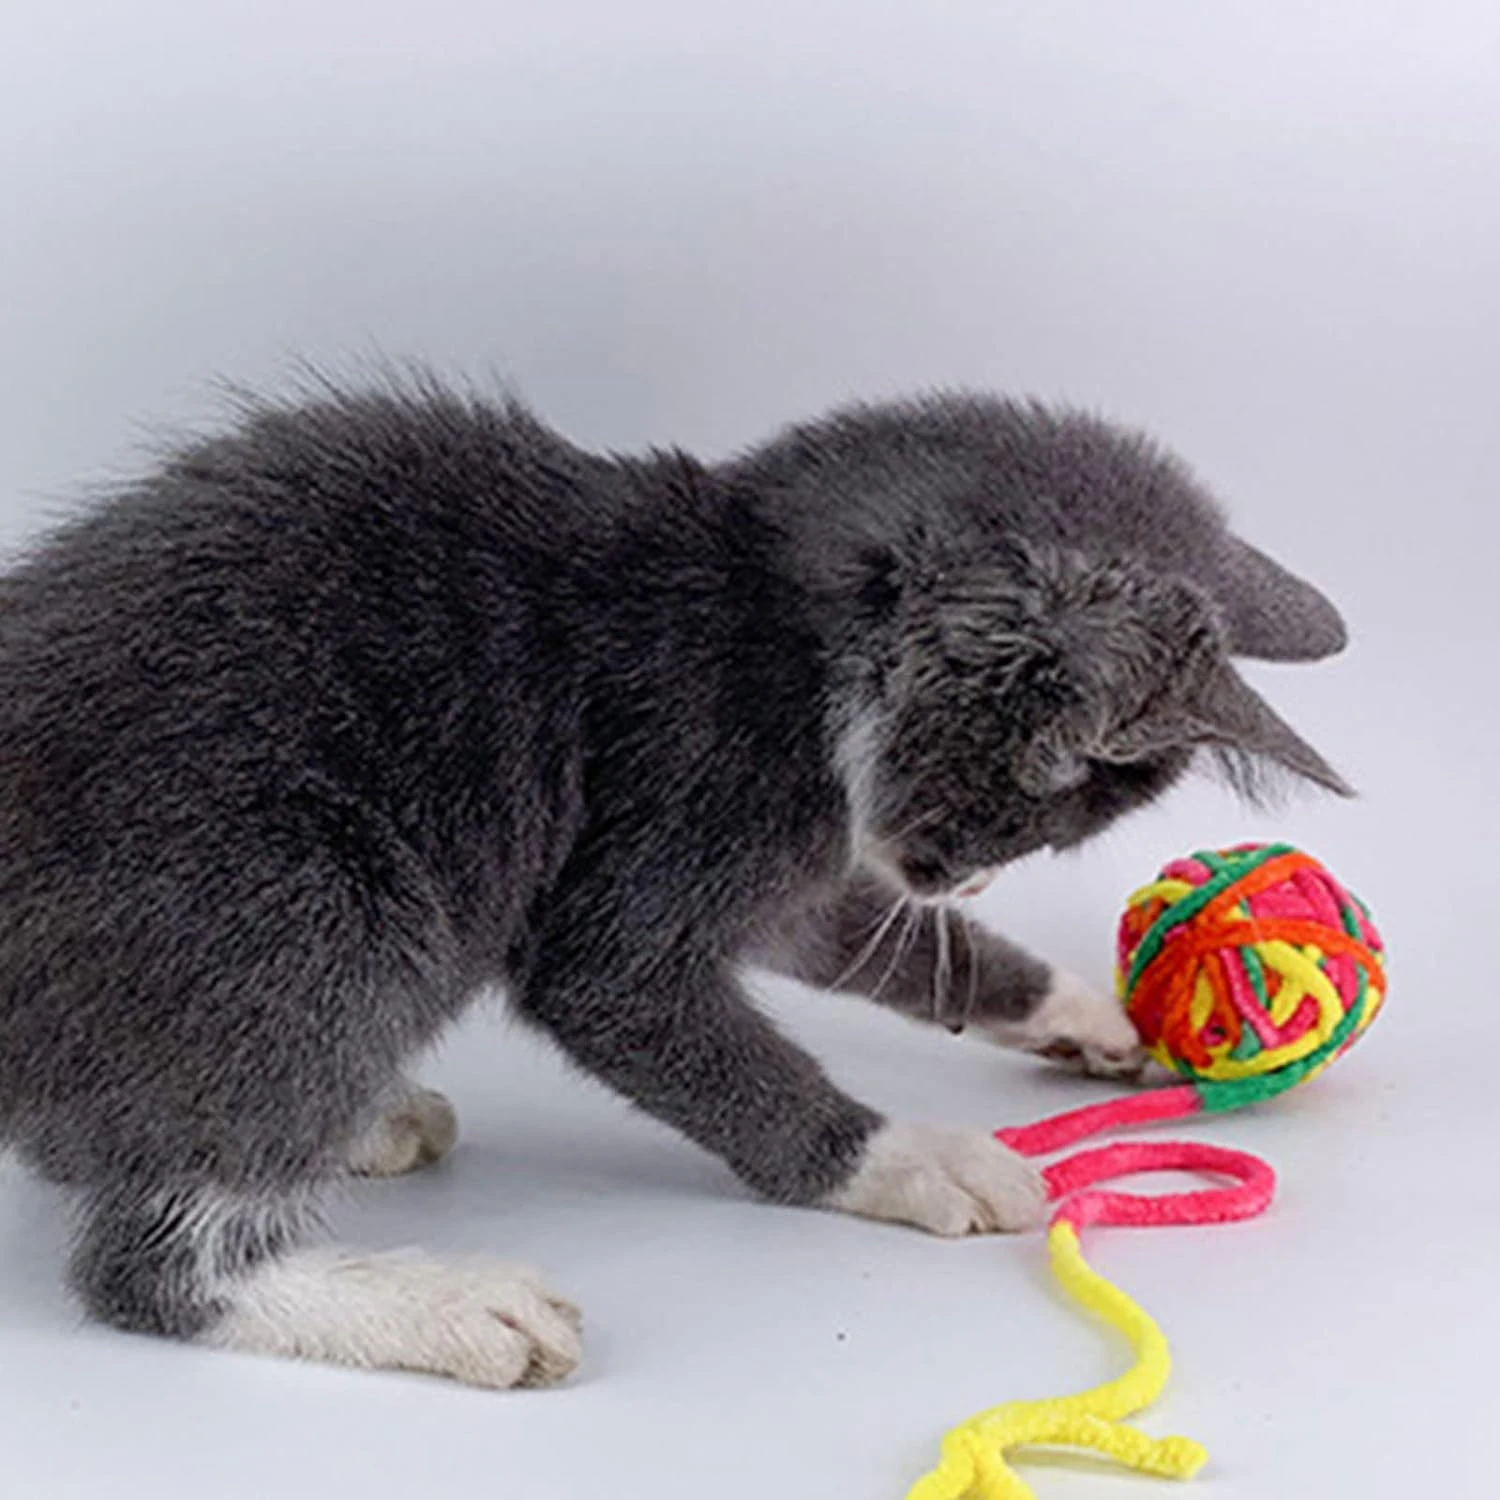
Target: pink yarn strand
x=1060, y=1131
x=1071, y=1182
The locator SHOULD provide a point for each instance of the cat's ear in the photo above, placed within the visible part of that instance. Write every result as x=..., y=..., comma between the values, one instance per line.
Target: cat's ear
x=1216, y=709
x=1270, y=613
x=1127, y=664
x=1150, y=666
x=1226, y=714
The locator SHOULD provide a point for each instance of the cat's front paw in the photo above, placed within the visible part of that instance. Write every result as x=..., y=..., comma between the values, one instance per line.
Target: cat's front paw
x=1081, y=1028
x=949, y=1181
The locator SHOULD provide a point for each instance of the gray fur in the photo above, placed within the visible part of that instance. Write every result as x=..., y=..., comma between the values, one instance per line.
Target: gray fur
x=327, y=723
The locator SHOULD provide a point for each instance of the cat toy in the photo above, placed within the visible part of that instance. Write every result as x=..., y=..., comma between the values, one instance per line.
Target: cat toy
x=1246, y=971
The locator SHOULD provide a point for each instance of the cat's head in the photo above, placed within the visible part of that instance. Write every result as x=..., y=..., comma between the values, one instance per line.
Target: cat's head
x=1031, y=703
x=1057, y=603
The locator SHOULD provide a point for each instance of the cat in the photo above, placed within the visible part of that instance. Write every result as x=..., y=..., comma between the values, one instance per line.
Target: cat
x=388, y=694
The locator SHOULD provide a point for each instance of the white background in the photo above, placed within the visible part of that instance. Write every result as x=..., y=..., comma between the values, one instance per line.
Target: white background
x=1271, y=232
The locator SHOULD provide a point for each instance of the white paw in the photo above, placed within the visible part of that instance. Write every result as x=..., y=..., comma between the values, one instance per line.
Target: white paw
x=485, y=1322
x=414, y=1128
x=1080, y=1027
x=949, y=1181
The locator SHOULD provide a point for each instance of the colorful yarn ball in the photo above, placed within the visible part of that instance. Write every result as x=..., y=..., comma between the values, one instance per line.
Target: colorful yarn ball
x=1248, y=970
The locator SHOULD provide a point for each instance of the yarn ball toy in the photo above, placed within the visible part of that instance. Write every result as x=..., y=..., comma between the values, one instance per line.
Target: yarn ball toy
x=1246, y=971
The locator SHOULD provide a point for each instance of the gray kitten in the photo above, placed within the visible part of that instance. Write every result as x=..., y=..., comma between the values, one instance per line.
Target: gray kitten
x=380, y=699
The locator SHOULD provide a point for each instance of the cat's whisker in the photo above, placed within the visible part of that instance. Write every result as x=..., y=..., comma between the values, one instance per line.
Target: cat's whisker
x=903, y=941
x=922, y=820
x=872, y=947
x=942, y=974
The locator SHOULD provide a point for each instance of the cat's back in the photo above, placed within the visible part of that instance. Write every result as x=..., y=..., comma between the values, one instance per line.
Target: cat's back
x=354, y=566
x=374, y=489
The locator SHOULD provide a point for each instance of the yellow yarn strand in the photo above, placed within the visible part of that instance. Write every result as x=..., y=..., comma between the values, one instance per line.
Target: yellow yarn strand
x=974, y=1463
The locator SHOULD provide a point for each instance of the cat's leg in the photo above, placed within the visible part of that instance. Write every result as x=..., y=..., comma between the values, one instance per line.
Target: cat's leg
x=410, y=1127
x=231, y=1268
x=222, y=1074
x=936, y=964
x=672, y=1030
